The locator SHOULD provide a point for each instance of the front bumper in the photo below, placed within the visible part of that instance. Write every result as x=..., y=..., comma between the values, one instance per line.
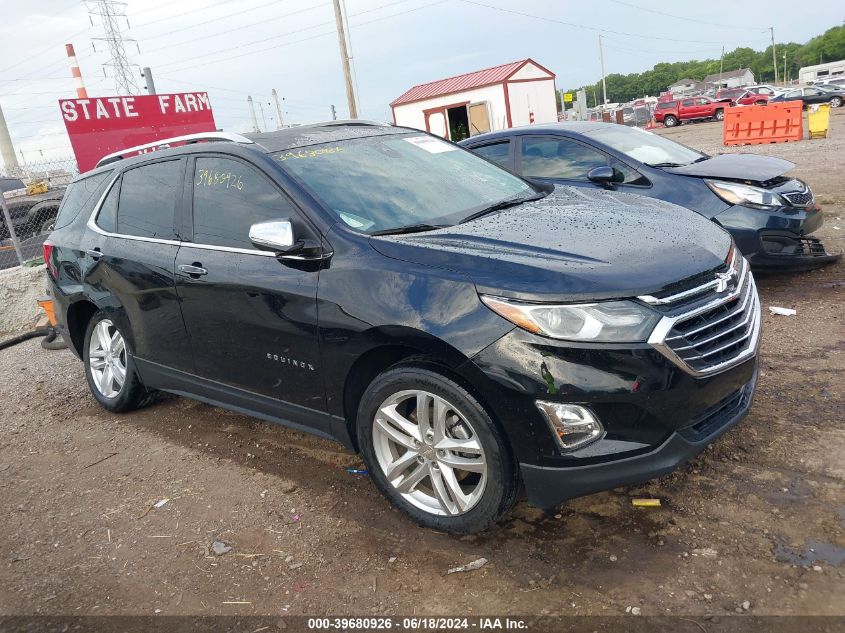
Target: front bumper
x=548, y=487
x=777, y=240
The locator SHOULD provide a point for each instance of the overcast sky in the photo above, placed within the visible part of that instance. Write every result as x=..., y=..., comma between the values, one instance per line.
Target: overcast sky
x=235, y=48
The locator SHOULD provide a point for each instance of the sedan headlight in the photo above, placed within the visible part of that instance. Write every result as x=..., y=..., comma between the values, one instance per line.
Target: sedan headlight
x=608, y=321
x=755, y=197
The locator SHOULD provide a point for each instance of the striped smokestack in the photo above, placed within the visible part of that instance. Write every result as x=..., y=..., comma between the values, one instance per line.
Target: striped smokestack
x=81, y=93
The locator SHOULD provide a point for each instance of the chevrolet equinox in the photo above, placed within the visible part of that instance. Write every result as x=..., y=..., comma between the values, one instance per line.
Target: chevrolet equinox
x=469, y=333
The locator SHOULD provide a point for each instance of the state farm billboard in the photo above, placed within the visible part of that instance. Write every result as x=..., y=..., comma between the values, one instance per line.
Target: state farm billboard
x=103, y=125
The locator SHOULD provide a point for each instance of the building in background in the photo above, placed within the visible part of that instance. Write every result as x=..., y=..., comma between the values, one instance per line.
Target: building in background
x=730, y=79
x=820, y=72
x=519, y=93
x=684, y=87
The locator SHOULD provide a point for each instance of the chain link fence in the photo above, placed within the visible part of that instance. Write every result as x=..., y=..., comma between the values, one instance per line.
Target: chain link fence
x=31, y=197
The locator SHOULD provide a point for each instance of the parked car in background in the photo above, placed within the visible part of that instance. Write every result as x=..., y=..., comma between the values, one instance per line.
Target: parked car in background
x=730, y=94
x=751, y=98
x=467, y=331
x=672, y=113
x=836, y=81
x=811, y=95
x=31, y=214
x=769, y=214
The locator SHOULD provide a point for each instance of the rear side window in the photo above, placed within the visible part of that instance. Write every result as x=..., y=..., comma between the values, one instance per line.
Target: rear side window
x=229, y=197
x=107, y=216
x=148, y=197
x=495, y=152
x=666, y=105
x=82, y=194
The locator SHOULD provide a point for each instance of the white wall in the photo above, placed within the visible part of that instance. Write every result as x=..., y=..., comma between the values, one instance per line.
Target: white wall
x=411, y=114
x=536, y=96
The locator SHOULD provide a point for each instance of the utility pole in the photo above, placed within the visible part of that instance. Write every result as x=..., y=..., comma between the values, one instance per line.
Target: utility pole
x=147, y=74
x=344, y=60
x=774, y=56
x=721, y=67
x=603, y=84
x=784, y=69
x=279, y=121
x=334, y=114
x=7, y=149
x=252, y=114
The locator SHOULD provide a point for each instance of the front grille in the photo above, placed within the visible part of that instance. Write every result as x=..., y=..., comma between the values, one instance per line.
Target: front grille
x=719, y=333
x=799, y=199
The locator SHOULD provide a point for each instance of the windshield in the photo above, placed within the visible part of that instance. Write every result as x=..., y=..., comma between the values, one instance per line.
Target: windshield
x=380, y=183
x=644, y=146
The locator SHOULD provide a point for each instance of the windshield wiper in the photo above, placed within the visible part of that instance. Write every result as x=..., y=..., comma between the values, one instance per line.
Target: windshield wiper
x=667, y=164
x=410, y=228
x=503, y=204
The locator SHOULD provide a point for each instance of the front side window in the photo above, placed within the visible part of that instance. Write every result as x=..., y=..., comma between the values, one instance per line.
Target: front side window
x=148, y=197
x=496, y=152
x=550, y=157
x=387, y=181
x=229, y=197
x=79, y=195
x=645, y=147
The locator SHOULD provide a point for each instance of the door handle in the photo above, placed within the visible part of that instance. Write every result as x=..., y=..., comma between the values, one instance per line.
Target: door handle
x=193, y=270
x=96, y=253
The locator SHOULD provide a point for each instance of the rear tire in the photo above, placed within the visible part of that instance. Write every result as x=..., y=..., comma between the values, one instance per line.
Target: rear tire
x=421, y=427
x=836, y=102
x=670, y=121
x=110, y=367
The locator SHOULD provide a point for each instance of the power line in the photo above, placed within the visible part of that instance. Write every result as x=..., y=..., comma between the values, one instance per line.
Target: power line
x=306, y=39
x=680, y=17
x=232, y=30
x=184, y=13
x=584, y=26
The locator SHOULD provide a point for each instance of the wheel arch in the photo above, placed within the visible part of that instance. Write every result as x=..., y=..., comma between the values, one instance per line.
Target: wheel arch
x=393, y=345
x=78, y=316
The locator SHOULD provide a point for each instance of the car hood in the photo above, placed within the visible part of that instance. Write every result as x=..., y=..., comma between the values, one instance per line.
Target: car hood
x=574, y=244
x=745, y=167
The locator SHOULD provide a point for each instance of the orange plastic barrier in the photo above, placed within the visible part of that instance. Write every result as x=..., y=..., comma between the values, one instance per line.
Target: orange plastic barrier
x=772, y=123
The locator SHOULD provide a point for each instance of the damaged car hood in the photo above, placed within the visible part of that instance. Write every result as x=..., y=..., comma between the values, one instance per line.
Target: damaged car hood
x=745, y=167
x=574, y=244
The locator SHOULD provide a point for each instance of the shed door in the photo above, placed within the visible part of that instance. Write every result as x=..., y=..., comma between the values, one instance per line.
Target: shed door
x=436, y=122
x=479, y=118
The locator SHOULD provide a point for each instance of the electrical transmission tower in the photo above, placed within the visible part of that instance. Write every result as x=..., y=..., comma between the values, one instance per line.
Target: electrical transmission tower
x=123, y=72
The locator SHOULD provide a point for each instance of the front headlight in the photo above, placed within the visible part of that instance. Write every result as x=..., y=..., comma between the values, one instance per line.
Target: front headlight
x=608, y=321
x=755, y=197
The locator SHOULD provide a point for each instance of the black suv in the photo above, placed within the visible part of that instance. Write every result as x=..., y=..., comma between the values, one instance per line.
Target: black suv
x=467, y=331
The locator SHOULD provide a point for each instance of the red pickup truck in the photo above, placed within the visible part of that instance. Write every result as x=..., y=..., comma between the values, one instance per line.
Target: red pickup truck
x=672, y=113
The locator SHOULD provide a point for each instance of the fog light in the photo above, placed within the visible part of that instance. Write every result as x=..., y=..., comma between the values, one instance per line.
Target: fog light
x=573, y=426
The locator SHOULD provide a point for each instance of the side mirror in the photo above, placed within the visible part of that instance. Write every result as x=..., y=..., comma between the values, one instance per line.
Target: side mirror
x=604, y=176
x=273, y=235
x=277, y=236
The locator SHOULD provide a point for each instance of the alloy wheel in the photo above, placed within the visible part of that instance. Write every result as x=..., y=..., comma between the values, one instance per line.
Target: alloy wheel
x=429, y=452
x=107, y=358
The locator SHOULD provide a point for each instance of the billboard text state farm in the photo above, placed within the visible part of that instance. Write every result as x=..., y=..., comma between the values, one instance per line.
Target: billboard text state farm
x=102, y=125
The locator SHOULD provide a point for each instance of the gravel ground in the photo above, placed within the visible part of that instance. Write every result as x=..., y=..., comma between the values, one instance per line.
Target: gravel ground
x=756, y=524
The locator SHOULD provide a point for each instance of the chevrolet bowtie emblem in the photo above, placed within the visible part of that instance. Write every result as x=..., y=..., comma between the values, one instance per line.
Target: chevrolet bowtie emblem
x=723, y=280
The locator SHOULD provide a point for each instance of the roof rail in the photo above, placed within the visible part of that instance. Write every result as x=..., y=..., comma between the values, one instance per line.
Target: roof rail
x=165, y=143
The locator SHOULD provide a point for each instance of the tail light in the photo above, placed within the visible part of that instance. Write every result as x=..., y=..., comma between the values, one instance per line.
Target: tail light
x=48, y=259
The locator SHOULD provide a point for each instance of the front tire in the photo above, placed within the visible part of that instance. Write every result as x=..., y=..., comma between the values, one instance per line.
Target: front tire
x=432, y=449
x=670, y=121
x=110, y=367
x=836, y=102
x=719, y=115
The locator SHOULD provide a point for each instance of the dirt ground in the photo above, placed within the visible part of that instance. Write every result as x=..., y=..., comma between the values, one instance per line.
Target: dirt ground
x=758, y=518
